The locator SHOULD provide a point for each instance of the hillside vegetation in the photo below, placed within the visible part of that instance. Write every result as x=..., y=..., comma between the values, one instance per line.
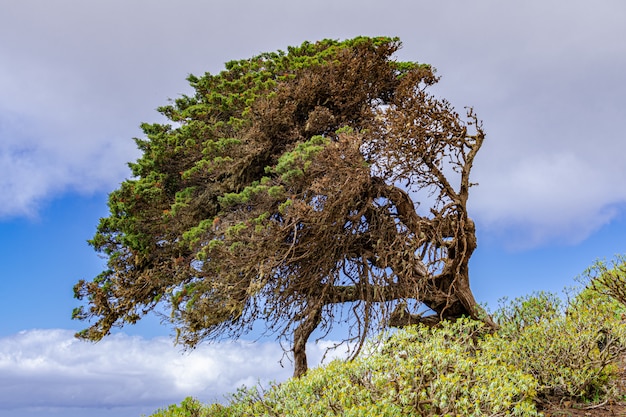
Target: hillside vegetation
x=546, y=352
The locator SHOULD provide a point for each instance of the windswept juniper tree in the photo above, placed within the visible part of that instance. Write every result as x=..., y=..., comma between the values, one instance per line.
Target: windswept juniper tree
x=303, y=189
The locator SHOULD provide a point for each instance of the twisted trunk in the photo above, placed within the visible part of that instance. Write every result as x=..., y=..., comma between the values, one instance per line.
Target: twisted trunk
x=301, y=336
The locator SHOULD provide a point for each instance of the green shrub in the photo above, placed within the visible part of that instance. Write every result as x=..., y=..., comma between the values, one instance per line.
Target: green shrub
x=418, y=371
x=570, y=353
x=608, y=281
x=452, y=370
x=188, y=408
x=540, y=307
x=543, y=348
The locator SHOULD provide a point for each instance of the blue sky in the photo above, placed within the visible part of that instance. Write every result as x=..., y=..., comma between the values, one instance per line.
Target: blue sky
x=77, y=78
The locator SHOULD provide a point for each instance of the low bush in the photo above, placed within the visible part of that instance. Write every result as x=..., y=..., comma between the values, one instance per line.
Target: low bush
x=190, y=407
x=571, y=353
x=418, y=371
x=544, y=348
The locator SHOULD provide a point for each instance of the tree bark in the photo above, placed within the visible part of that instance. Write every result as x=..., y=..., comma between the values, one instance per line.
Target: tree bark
x=300, y=336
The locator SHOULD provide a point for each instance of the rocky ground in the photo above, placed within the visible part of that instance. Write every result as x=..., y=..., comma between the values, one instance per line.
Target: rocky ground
x=605, y=410
x=585, y=410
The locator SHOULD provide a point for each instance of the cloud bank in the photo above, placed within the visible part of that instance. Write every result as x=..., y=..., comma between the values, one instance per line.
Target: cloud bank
x=547, y=79
x=51, y=370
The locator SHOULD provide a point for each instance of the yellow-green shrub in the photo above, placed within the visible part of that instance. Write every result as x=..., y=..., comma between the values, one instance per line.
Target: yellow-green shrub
x=542, y=348
x=189, y=407
x=570, y=353
x=418, y=371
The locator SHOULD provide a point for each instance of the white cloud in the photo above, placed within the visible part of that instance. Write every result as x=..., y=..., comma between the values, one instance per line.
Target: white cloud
x=548, y=81
x=543, y=196
x=51, y=370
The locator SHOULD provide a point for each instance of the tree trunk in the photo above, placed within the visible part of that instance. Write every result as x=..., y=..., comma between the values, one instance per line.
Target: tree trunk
x=301, y=336
x=449, y=300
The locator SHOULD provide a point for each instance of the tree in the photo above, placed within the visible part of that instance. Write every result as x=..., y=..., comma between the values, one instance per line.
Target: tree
x=302, y=188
